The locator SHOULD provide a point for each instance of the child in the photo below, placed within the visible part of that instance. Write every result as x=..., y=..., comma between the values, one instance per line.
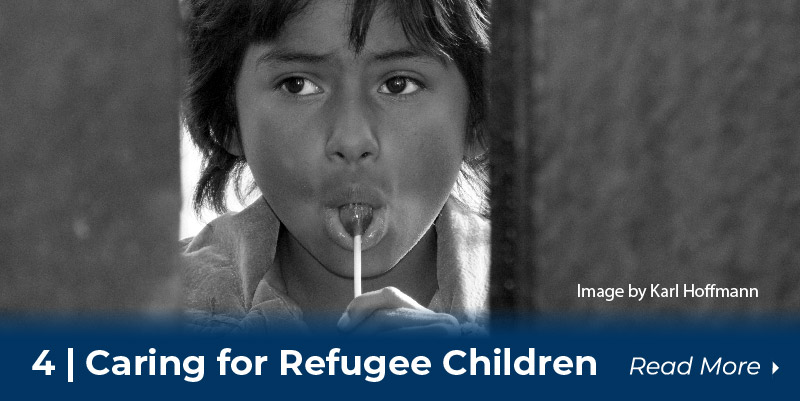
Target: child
x=332, y=104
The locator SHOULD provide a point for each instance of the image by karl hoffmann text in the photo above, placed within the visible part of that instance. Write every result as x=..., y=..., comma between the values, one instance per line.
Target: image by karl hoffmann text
x=655, y=291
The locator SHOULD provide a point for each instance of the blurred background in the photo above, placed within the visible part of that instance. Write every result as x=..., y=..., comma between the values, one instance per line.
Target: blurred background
x=644, y=142
x=632, y=143
x=89, y=155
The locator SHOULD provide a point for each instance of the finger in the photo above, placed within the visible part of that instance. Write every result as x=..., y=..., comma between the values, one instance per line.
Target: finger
x=383, y=320
x=431, y=330
x=363, y=306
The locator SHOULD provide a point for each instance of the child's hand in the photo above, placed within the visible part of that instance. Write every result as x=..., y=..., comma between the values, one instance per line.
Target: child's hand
x=389, y=310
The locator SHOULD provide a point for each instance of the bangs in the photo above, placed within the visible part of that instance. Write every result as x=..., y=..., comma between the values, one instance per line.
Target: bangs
x=267, y=18
x=434, y=27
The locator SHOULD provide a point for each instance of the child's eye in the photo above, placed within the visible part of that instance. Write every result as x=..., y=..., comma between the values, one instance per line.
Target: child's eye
x=299, y=86
x=400, y=86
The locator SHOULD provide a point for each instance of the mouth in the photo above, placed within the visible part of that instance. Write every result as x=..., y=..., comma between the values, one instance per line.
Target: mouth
x=365, y=198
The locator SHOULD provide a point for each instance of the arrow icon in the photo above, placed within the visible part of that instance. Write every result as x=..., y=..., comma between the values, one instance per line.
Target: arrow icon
x=774, y=368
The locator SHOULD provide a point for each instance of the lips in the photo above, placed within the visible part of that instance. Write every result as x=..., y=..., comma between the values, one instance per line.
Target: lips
x=354, y=193
x=345, y=195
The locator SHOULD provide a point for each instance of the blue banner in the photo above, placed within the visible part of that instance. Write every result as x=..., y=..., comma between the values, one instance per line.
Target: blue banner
x=622, y=359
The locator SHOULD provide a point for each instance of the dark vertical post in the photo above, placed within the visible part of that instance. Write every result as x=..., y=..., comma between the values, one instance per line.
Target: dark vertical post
x=510, y=128
x=89, y=163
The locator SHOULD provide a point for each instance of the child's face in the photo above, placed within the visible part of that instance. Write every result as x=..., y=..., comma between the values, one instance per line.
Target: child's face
x=323, y=127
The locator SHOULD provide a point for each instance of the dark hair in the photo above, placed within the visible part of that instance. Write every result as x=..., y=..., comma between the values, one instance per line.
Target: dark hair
x=219, y=31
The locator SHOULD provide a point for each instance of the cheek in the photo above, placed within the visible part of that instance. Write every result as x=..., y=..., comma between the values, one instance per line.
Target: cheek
x=278, y=155
x=434, y=151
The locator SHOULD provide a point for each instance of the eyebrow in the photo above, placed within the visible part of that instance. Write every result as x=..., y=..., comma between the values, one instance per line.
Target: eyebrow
x=286, y=56
x=279, y=56
x=401, y=54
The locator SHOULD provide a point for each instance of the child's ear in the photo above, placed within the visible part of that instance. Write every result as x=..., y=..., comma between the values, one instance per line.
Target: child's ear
x=234, y=146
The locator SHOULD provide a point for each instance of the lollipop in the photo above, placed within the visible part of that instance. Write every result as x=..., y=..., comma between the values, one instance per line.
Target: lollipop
x=355, y=218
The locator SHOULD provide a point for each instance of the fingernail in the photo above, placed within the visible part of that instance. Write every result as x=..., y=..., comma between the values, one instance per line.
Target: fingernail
x=344, y=321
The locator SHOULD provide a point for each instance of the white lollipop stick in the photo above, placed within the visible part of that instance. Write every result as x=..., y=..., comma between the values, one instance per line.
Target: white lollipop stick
x=355, y=218
x=356, y=265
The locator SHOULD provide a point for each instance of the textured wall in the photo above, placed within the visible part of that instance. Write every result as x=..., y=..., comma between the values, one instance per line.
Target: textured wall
x=89, y=179
x=665, y=148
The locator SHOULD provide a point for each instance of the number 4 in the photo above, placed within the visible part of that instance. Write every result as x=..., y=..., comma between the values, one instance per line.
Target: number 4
x=47, y=367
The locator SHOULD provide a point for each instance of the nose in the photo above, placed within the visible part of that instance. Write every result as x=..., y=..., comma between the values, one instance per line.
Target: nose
x=352, y=137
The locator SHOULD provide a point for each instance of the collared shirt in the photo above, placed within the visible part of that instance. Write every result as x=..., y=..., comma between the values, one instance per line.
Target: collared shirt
x=232, y=281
